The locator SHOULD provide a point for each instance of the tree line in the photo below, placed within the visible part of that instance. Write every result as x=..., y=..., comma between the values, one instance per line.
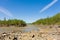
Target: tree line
x=12, y=22
x=49, y=20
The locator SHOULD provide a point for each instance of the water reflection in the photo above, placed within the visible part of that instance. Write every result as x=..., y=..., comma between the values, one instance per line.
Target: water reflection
x=30, y=28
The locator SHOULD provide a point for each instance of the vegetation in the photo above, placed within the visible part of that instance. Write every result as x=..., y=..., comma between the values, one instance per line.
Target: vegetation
x=50, y=20
x=12, y=22
x=20, y=23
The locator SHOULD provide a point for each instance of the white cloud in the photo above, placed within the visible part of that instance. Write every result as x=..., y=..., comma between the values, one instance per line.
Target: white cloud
x=48, y=6
x=5, y=11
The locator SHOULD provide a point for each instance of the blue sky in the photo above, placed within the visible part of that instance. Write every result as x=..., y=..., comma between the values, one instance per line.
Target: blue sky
x=27, y=10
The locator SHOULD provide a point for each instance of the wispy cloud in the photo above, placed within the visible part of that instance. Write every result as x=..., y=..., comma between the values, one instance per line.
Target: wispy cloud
x=5, y=11
x=48, y=6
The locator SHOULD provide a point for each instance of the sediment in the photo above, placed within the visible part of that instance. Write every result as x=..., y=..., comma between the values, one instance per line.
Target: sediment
x=42, y=34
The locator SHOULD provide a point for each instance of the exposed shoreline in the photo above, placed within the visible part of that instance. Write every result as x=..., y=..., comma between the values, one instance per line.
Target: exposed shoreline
x=42, y=34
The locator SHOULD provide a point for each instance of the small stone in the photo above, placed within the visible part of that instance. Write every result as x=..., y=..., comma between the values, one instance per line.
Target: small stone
x=33, y=36
x=15, y=38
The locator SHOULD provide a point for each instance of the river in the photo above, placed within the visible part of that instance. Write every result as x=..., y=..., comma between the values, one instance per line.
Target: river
x=23, y=29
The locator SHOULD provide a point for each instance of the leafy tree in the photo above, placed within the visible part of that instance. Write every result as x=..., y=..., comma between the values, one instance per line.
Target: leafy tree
x=49, y=20
x=12, y=22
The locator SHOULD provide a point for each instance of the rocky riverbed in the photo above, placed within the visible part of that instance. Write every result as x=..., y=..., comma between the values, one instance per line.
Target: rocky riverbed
x=49, y=33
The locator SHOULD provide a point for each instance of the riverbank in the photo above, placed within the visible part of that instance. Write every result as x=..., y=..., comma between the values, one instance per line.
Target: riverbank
x=42, y=34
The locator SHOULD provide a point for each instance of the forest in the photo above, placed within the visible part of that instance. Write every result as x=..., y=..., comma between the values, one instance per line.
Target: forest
x=12, y=22
x=49, y=20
